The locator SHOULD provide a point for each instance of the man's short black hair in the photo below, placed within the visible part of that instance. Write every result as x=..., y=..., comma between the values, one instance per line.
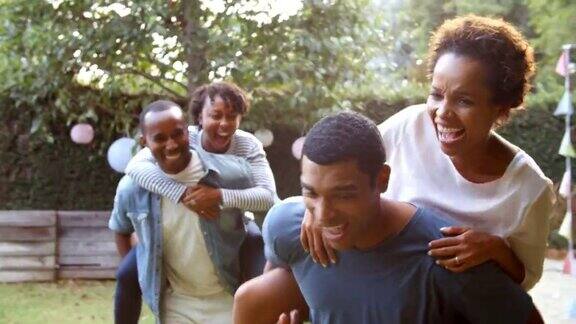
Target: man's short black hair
x=346, y=136
x=156, y=106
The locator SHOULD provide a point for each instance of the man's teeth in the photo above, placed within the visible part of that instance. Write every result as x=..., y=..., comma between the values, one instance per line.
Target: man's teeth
x=173, y=156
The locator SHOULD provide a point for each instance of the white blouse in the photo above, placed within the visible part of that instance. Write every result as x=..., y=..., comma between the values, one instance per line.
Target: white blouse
x=516, y=206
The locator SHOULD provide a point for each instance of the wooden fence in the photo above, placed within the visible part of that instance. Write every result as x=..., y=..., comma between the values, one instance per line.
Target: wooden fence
x=50, y=245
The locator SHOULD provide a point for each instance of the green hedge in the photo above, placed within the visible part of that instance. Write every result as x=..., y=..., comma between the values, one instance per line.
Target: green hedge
x=63, y=175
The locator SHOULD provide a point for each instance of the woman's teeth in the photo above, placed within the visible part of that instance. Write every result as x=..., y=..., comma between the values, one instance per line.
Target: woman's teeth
x=447, y=134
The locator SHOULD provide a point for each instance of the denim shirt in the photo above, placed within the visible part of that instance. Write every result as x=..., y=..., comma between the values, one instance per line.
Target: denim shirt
x=138, y=210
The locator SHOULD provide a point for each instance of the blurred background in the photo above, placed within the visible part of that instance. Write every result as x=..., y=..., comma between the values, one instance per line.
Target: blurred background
x=75, y=74
x=99, y=62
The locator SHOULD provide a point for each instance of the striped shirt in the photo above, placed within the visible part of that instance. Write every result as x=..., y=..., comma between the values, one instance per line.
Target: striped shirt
x=144, y=170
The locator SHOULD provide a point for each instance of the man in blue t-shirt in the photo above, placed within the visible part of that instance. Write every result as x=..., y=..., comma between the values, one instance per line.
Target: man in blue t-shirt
x=384, y=274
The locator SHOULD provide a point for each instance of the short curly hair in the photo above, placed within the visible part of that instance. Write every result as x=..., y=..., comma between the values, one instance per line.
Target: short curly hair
x=497, y=45
x=346, y=136
x=232, y=95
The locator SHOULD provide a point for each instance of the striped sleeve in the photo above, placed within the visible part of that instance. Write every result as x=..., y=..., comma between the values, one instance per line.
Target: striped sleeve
x=146, y=173
x=262, y=195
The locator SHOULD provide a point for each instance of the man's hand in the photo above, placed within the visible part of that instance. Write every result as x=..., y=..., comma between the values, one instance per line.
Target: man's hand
x=122, y=243
x=203, y=200
x=313, y=241
x=463, y=249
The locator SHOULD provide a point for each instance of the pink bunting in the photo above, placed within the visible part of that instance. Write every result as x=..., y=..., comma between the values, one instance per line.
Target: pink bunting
x=562, y=65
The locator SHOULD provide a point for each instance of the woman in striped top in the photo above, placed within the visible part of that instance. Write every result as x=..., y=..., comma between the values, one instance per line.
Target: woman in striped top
x=216, y=110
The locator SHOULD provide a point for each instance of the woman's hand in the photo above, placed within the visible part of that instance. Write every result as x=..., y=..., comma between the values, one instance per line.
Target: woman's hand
x=313, y=241
x=463, y=248
x=203, y=200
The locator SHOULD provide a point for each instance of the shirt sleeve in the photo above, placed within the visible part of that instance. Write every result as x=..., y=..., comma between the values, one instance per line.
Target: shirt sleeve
x=119, y=221
x=262, y=195
x=281, y=233
x=529, y=240
x=145, y=172
x=483, y=294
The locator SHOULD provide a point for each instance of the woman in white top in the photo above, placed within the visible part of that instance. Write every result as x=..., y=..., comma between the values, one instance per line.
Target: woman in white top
x=445, y=155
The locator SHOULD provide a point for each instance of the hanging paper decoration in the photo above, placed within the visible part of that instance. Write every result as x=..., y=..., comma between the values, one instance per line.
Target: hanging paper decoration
x=120, y=153
x=566, y=148
x=82, y=133
x=297, y=147
x=265, y=136
x=565, y=105
x=562, y=64
x=564, y=229
x=564, y=189
x=569, y=267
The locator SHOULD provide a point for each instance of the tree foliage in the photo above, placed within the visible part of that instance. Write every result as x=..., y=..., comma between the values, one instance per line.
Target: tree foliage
x=90, y=60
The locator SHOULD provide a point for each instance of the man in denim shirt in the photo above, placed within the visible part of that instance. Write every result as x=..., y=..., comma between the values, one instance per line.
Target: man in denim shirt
x=188, y=266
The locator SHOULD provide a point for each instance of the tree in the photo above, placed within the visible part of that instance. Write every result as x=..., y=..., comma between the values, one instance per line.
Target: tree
x=90, y=60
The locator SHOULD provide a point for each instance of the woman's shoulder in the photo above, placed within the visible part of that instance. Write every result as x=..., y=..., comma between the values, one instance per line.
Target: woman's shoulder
x=245, y=143
x=532, y=167
x=524, y=170
x=246, y=138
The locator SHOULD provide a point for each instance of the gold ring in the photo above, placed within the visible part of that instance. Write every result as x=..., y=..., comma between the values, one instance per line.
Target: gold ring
x=457, y=260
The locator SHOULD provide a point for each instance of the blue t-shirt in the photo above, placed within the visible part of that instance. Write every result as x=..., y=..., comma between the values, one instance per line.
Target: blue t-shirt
x=396, y=281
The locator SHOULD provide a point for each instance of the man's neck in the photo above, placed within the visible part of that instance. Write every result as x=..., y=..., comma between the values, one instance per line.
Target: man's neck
x=391, y=219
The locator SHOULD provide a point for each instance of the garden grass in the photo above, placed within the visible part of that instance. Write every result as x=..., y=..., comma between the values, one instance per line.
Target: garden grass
x=63, y=302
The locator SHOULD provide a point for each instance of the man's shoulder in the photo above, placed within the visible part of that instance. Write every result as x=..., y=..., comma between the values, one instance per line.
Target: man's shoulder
x=427, y=222
x=127, y=187
x=286, y=216
x=281, y=230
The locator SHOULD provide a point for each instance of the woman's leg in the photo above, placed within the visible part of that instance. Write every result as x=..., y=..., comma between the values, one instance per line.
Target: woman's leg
x=252, y=253
x=128, y=297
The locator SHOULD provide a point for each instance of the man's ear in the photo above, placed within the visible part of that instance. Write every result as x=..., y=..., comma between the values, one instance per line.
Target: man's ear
x=383, y=177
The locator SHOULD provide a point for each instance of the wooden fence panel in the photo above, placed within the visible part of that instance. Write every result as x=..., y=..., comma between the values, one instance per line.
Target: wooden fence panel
x=102, y=261
x=27, y=248
x=85, y=234
x=27, y=245
x=86, y=247
x=38, y=245
x=86, y=273
x=27, y=218
x=82, y=218
x=27, y=234
x=28, y=262
x=27, y=275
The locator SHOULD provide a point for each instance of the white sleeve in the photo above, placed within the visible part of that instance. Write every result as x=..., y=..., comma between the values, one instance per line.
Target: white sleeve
x=529, y=240
x=146, y=173
x=262, y=195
